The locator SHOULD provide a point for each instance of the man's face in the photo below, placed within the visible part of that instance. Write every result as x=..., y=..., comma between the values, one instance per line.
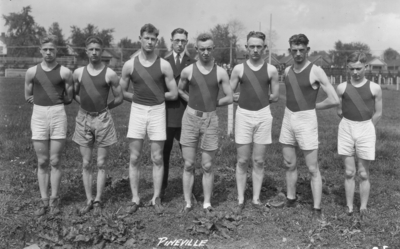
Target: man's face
x=357, y=70
x=299, y=52
x=93, y=51
x=148, y=41
x=255, y=47
x=49, y=52
x=179, y=42
x=204, y=50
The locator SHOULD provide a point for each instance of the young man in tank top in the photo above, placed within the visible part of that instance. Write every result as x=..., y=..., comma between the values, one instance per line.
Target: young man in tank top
x=360, y=109
x=200, y=122
x=94, y=122
x=153, y=83
x=48, y=86
x=253, y=121
x=299, y=125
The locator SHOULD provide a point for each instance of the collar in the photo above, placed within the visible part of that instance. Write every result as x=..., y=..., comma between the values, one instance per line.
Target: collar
x=180, y=56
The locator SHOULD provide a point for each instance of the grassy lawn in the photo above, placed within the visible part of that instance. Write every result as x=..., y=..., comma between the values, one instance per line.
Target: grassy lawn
x=277, y=228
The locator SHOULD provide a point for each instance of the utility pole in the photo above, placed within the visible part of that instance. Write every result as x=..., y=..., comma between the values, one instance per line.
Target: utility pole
x=270, y=38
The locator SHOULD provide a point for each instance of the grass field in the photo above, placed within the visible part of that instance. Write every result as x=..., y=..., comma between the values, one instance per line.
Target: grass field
x=278, y=228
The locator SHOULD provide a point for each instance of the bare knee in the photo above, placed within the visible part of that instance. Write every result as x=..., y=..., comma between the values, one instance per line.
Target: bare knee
x=290, y=164
x=189, y=166
x=207, y=167
x=313, y=170
x=349, y=174
x=364, y=176
x=55, y=161
x=134, y=159
x=43, y=163
x=157, y=160
x=86, y=165
x=242, y=163
x=101, y=164
x=258, y=163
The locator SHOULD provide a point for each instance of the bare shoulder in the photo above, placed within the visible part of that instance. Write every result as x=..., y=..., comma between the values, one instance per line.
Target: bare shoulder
x=375, y=88
x=31, y=71
x=187, y=71
x=271, y=69
x=222, y=74
x=341, y=87
x=287, y=70
x=65, y=72
x=78, y=72
x=165, y=65
x=129, y=63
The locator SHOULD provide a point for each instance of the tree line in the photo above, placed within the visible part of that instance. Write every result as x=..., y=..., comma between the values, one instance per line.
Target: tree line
x=23, y=38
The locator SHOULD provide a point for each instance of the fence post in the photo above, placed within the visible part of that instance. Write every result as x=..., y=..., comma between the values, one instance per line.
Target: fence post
x=230, y=119
x=398, y=82
x=341, y=78
x=379, y=79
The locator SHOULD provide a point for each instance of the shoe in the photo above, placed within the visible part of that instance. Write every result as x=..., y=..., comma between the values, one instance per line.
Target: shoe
x=187, y=209
x=157, y=206
x=43, y=207
x=208, y=210
x=278, y=201
x=54, y=205
x=291, y=203
x=132, y=207
x=259, y=206
x=348, y=212
x=97, y=207
x=239, y=208
x=86, y=209
x=317, y=215
x=364, y=214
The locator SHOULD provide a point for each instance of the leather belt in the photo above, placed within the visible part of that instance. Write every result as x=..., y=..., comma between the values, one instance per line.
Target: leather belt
x=94, y=114
x=199, y=113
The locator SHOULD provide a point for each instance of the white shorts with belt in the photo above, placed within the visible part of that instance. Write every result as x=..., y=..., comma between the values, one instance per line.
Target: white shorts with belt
x=49, y=122
x=357, y=137
x=253, y=126
x=300, y=129
x=150, y=120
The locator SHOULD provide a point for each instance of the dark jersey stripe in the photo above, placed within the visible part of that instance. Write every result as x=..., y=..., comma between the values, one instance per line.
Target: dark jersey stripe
x=358, y=102
x=94, y=91
x=48, y=87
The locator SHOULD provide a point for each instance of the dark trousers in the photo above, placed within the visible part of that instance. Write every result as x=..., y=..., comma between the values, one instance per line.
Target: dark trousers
x=172, y=132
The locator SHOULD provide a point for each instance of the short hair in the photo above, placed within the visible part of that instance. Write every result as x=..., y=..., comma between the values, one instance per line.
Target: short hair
x=357, y=56
x=94, y=39
x=179, y=31
x=204, y=37
x=149, y=28
x=298, y=39
x=256, y=34
x=49, y=39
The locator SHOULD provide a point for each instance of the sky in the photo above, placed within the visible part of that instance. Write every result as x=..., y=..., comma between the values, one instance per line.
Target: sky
x=376, y=23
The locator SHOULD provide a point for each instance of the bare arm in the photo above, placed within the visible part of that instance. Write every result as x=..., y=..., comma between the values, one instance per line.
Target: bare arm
x=170, y=82
x=234, y=81
x=69, y=85
x=274, y=96
x=183, y=82
x=30, y=74
x=113, y=80
x=378, y=104
x=125, y=79
x=75, y=79
x=340, y=90
x=332, y=99
x=226, y=87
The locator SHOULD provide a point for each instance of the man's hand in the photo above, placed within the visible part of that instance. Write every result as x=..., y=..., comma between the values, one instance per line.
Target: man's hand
x=29, y=99
x=236, y=97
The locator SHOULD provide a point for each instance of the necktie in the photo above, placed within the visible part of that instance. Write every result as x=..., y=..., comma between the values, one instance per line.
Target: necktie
x=178, y=61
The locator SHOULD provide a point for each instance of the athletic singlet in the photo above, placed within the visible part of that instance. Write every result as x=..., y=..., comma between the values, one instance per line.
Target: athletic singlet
x=148, y=83
x=358, y=103
x=94, y=91
x=203, y=90
x=301, y=96
x=254, y=88
x=48, y=87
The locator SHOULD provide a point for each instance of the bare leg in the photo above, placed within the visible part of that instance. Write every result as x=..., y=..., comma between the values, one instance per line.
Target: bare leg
x=311, y=157
x=349, y=182
x=365, y=186
x=289, y=158
x=87, y=171
x=189, y=156
x=207, y=161
x=258, y=169
x=243, y=156
x=56, y=147
x=135, y=147
x=102, y=153
x=158, y=167
x=42, y=153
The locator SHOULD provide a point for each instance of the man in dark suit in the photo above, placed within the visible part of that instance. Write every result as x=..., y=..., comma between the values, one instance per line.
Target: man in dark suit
x=179, y=59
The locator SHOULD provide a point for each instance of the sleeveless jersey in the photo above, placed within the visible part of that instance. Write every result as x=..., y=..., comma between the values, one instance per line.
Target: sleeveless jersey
x=300, y=96
x=48, y=87
x=94, y=91
x=254, y=88
x=148, y=83
x=358, y=103
x=203, y=90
